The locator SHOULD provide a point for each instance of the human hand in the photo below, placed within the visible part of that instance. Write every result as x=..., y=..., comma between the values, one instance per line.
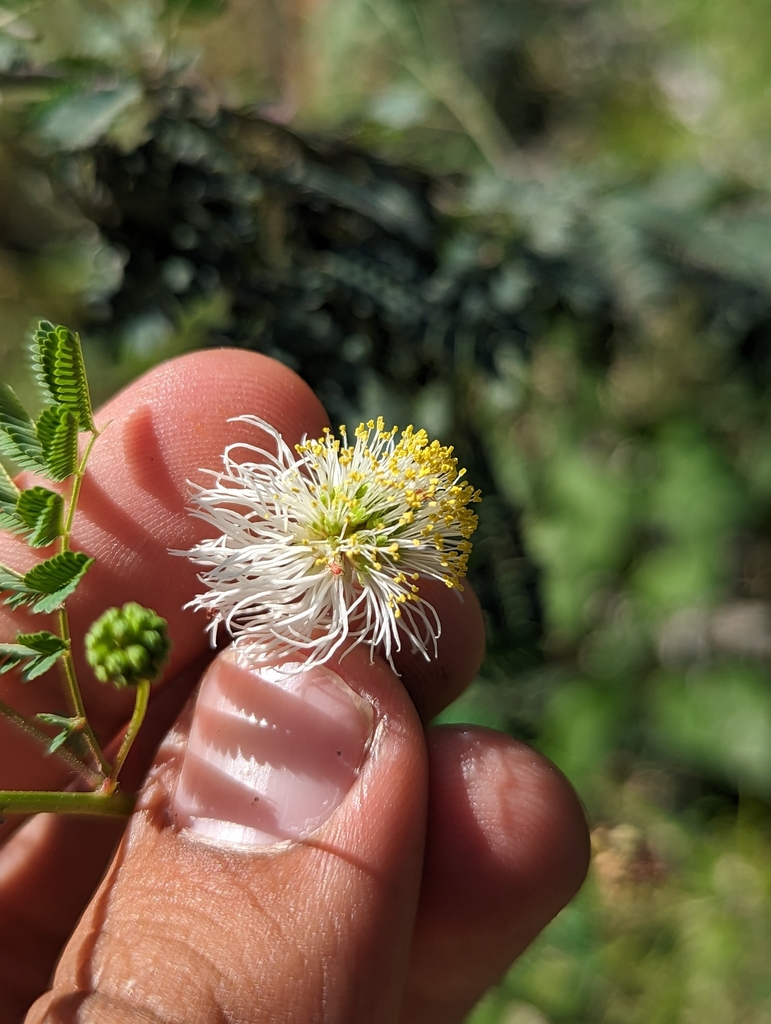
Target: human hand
x=421, y=874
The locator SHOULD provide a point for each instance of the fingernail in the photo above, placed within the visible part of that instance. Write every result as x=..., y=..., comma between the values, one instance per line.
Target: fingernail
x=271, y=753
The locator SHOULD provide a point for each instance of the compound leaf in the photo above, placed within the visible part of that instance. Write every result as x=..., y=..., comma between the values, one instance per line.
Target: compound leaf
x=57, y=431
x=40, y=651
x=48, y=648
x=18, y=439
x=58, y=359
x=51, y=582
x=40, y=510
x=71, y=380
x=44, y=641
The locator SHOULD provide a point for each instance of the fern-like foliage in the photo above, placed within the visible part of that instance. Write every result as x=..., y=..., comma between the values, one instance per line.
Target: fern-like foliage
x=58, y=362
x=44, y=345
x=36, y=512
x=47, y=585
x=18, y=437
x=56, y=578
x=57, y=431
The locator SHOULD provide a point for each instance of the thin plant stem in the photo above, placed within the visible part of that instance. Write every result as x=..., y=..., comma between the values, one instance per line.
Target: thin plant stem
x=75, y=696
x=75, y=493
x=140, y=707
x=71, y=760
x=114, y=804
x=68, y=664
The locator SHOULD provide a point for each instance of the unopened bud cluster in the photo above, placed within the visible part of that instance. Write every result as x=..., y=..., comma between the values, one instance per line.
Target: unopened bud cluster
x=127, y=645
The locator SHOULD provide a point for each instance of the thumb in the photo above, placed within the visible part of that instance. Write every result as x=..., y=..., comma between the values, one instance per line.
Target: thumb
x=271, y=872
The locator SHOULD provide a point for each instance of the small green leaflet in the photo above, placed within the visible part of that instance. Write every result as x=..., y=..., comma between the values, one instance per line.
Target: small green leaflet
x=39, y=652
x=46, y=585
x=10, y=581
x=18, y=438
x=35, y=512
x=40, y=510
x=9, y=494
x=68, y=726
x=57, y=432
x=58, y=360
x=44, y=345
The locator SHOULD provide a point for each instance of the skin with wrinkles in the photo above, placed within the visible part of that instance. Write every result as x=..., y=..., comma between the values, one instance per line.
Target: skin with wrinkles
x=451, y=851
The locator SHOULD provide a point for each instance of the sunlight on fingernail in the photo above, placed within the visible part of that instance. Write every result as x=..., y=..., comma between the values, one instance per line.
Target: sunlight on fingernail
x=271, y=753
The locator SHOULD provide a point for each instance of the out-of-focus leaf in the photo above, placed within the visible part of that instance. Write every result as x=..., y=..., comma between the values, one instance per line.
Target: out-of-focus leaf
x=718, y=721
x=77, y=121
x=194, y=8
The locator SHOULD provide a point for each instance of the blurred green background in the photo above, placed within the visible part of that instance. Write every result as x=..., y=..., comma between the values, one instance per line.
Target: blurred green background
x=542, y=229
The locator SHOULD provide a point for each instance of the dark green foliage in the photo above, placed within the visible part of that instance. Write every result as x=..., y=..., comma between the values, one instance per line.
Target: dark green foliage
x=355, y=294
x=585, y=311
x=599, y=355
x=128, y=645
x=37, y=652
x=341, y=265
x=196, y=8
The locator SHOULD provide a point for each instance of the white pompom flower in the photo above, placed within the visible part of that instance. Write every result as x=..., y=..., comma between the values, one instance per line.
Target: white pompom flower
x=323, y=548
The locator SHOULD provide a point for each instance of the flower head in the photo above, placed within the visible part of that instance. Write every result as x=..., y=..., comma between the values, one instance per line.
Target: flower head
x=126, y=645
x=324, y=547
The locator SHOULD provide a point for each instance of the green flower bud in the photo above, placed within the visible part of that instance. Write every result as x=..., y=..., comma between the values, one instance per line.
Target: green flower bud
x=128, y=644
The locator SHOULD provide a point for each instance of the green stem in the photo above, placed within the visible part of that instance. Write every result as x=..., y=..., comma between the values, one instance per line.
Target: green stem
x=93, y=778
x=75, y=696
x=80, y=473
x=115, y=804
x=140, y=707
x=72, y=688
